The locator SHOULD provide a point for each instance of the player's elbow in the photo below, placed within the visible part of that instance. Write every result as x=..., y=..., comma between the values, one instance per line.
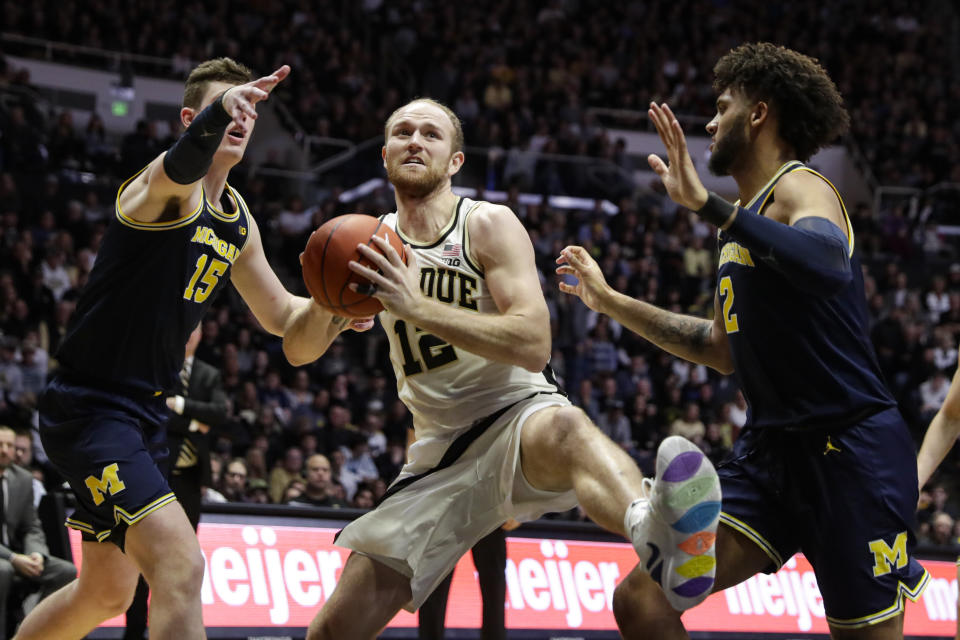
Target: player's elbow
x=536, y=357
x=297, y=357
x=722, y=361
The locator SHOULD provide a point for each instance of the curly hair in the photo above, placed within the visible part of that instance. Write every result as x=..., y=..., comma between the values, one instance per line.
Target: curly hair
x=216, y=70
x=809, y=108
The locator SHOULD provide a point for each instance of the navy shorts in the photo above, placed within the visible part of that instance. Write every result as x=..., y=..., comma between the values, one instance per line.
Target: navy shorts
x=846, y=498
x=112, y=450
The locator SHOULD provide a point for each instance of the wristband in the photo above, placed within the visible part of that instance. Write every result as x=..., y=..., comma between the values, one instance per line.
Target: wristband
x=716, y=211
x=190, y=157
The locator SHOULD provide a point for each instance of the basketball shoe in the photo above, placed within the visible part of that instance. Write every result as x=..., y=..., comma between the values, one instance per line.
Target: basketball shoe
x=674, y=527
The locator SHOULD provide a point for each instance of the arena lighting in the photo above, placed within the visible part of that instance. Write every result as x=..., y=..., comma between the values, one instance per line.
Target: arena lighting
x=557, y=202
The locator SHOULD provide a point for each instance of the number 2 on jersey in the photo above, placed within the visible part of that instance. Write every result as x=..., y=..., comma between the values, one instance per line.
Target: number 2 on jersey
x=209, y=279
x=434, y=352
x=726, y=292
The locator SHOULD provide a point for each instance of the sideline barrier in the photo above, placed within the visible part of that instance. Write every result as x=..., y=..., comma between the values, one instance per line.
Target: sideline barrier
x=267, y=576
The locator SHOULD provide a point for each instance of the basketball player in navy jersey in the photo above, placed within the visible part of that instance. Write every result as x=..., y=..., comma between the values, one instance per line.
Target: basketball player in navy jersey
x=495, y=437
x=178, y=234
x=825, y=464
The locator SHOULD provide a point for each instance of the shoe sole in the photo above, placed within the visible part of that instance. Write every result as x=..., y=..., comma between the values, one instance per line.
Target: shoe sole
x=689, y=501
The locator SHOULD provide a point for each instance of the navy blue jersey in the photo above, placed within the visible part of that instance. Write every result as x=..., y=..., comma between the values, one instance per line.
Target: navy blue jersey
x=149, y=287
x=802, y=360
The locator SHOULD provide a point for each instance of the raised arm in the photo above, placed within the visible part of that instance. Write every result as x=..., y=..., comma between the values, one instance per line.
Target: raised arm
x=171, y=181
x=519, y=334
x=695, y=339
x=803, y=234
x=941, y=435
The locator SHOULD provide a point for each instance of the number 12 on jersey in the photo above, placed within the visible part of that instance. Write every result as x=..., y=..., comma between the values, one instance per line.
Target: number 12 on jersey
x=726, y=292
x=432, y=351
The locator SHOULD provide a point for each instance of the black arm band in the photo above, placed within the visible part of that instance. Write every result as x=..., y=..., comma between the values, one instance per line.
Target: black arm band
x=716, y=211
x=189, y=158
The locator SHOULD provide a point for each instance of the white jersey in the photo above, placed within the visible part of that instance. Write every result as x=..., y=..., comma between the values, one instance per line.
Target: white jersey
x=448, y=388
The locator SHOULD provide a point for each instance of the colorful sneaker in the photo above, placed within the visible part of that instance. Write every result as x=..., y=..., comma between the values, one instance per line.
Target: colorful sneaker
x=674, y=528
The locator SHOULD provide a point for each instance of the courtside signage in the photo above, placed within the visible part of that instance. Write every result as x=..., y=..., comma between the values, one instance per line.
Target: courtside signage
x=263, y=576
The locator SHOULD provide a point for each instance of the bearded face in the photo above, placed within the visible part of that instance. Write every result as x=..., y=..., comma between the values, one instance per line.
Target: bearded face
x=730, y=145
x=417, y=176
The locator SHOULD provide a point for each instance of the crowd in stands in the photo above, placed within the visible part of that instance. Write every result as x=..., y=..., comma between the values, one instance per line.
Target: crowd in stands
x=522, y=76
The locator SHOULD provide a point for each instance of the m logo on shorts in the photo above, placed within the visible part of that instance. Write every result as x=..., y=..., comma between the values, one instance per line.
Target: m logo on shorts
x=884, y=555
x=108, y=481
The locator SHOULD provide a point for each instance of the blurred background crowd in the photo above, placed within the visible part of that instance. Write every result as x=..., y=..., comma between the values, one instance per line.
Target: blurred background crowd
x=526, y=78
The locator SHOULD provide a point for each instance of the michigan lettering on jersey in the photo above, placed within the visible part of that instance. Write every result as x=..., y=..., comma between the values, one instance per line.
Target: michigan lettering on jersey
x=884, y=555
x=449, y=286
x=206, y=235
x=733, y=252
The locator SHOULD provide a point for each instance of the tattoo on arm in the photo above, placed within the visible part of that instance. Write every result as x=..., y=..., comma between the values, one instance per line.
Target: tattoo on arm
x=669, y=328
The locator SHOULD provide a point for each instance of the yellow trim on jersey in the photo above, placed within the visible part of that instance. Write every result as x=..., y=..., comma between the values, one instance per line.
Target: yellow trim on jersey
x=80, y=526
x=753, y=535
x=121, y=515
x=221, y=215
x=466, y=239
x=782, y=170
x=242, y=206
x=843, y=207
x=890, y=612
x=153, y=226
x=440, y=236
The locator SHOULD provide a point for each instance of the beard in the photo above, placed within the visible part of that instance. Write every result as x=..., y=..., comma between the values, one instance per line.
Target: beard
x=729, y=149
x=416, y=185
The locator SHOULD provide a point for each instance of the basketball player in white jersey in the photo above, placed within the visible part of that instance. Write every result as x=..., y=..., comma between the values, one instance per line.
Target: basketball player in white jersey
x=495, y=437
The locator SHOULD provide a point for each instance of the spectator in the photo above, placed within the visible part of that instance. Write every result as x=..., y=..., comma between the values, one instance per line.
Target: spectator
x=932, y=394
x=283, y=472
x=689, y=424
x=235, y=481
x=941, y=531
x=615, y=424
x=23, y=547
x=318, y=490
x=23, y=458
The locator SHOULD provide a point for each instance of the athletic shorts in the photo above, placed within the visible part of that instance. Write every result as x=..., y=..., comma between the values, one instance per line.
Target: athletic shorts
x=429, y=518
x=112, y=450
x=846, y=498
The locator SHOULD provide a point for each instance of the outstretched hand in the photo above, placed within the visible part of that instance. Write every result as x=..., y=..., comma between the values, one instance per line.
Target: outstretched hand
x=592, y=287
x=240, y=101
x=679, y=177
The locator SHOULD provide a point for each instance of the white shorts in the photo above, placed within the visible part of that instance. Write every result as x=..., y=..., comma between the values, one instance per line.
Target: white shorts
x=422, y=530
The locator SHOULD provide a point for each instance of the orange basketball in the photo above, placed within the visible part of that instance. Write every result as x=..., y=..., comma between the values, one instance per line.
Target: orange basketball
x=325, y=270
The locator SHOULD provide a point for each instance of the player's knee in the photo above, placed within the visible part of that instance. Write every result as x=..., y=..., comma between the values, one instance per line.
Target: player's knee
x=113, y=598
x=571, y=426
x=181, y=574
x=638, y=603
x=322, y=628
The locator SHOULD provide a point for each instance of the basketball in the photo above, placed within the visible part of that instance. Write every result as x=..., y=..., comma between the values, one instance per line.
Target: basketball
x=325, y=259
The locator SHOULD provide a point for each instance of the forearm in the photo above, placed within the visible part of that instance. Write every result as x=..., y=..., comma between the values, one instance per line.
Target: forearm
x=681, y=335
x=512, y=339
x=937, y=442
x=308, y=331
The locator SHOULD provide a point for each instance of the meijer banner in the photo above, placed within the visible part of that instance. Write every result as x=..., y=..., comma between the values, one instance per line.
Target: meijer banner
x=265, y=576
